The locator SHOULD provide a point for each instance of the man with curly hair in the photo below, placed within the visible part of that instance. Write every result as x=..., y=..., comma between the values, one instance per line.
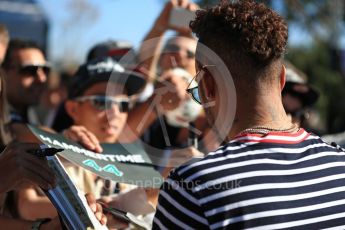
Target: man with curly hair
x=269, y=174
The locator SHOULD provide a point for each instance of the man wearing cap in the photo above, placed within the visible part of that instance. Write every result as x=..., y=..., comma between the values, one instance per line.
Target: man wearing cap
x=98, y=103
x=111, y=48
x=88, y=96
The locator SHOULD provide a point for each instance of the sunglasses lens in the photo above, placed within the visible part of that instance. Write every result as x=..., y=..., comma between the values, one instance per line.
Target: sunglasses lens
x=28, y=70
x=172, y=49
x=103, y=103
x=190, y=54
x=175, y=49
x=46, y=70
x=32, y=70
x=100, y=103
x=124, y=106
x=195, y=95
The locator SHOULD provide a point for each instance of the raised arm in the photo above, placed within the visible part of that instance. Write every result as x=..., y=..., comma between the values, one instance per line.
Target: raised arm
x=150, y=49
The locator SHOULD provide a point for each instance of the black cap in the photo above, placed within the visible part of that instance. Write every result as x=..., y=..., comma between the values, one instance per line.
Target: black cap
x=112, y=48
x=104, y=69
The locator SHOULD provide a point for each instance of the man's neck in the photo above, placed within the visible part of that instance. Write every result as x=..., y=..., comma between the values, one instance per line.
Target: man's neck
x=265, y=110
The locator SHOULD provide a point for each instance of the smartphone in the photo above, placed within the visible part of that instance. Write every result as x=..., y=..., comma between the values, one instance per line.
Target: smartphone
x=180, y=17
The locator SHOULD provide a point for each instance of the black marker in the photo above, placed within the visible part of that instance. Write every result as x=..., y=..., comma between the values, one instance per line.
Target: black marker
x=44, y=152
x=115, y=212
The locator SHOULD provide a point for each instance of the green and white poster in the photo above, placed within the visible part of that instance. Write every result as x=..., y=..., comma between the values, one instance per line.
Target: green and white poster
x=124, y=163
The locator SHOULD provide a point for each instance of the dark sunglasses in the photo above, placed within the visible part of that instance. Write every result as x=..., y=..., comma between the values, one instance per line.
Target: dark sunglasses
x=194, y=92
x=32, y=69
x=171, y=48
x=102, y=103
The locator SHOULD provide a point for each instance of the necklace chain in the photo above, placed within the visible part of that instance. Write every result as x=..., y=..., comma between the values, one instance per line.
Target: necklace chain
x=266, y=129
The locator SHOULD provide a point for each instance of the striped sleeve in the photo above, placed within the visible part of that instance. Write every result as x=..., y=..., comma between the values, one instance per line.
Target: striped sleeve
x=178, y=207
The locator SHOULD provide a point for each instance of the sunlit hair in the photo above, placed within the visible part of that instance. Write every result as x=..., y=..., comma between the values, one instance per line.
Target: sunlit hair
x=249, y=37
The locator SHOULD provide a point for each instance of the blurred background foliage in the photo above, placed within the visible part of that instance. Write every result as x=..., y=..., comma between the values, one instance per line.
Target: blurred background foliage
x=316, y=37
x=320, y=55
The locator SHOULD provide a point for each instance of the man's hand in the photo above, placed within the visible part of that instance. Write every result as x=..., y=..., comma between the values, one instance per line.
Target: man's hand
x=171, y=91
x=83, y=136
x=180, y=156
x=162, y=22
x=19, y=168
x=112, y=221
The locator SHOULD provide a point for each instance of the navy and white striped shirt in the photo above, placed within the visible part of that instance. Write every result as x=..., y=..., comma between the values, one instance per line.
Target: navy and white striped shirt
x=276, y=181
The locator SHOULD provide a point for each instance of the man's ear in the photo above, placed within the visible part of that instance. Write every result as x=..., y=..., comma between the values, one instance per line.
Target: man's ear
x=282, y=78
x=71, y=109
